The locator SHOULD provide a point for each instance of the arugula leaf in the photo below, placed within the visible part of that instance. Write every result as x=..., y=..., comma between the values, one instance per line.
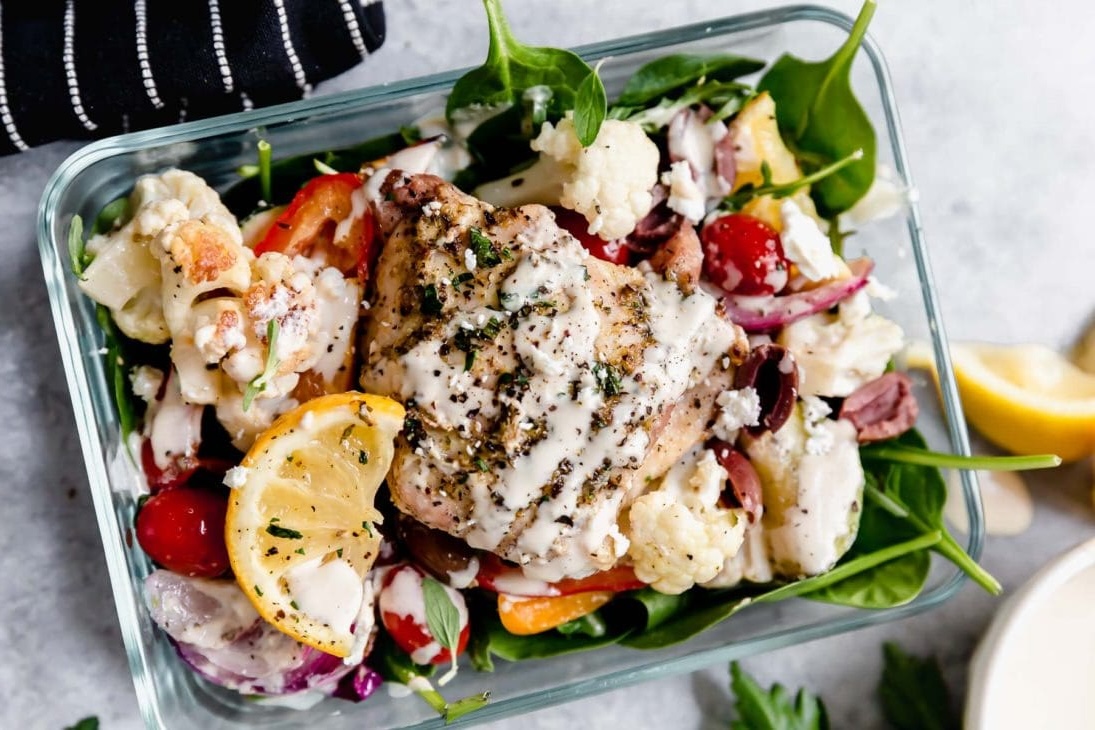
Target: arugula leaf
x=259, y=382
x=726, y=97
x=512, y=68
x=773, y=709
x=912, y=497
x=913, y=693
x=677, y=72
x=819, y=116
x=77, y=254
x=443, y=620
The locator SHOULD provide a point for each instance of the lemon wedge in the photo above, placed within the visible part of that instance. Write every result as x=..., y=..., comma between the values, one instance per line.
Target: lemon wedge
x=1027, y=399
x=300, y=527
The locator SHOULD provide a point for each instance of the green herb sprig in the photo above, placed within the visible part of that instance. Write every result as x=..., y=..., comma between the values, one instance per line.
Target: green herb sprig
x=774, y=708
x=443, y=621
x=748, y=192
x=260, y=381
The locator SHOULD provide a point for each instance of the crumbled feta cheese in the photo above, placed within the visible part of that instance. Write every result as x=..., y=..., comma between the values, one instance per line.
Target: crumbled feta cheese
x=737, y=408
x=431, y=208
x=236, y=477
x=685, y=196
x=806, y=245
x=815, y=411
x=146, y=382
x=470, y=260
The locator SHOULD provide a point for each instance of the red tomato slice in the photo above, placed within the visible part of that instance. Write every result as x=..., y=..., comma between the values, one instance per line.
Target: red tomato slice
x=495, y=575
x=308, y=225
x=183, y=530
x=403, y=611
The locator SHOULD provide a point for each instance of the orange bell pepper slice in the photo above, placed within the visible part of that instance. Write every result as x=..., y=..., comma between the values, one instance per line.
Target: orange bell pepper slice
x=524, y=616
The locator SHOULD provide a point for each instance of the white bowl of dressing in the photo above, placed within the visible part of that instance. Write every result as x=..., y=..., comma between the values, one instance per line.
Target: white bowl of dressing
x=1035, y=667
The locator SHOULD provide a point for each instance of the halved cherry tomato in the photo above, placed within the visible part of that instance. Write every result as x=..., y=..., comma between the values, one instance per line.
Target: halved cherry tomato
x=743, y=255
x=308, y=225
x=403, y=613
x=497, y=576
x=177, y=473
x=614, y=252
x=523, y=616
x=183, y=530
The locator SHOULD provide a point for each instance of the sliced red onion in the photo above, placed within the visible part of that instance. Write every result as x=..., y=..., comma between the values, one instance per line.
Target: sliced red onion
x=358, y=685
x=726, y=166
x=766, y=313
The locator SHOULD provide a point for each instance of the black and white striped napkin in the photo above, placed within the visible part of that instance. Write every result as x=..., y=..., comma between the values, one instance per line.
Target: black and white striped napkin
x=77, y=69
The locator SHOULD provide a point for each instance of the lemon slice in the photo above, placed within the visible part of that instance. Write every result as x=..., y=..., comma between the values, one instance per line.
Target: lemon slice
x=1027, y=399
x=300, y=525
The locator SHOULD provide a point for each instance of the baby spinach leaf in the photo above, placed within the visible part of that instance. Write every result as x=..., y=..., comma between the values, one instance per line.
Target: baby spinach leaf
x=512, y=68
x=116, y=365
x=913, y=496
x=497, y=641
x=913, y=693
x=820, y=117
x=591, y=625
x=891, y=584
x=773, y=709
x=708, y=608
x=668, y=75
x=114, y=213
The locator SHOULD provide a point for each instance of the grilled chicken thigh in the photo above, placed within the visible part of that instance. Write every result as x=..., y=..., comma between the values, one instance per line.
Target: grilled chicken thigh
x=545, y=388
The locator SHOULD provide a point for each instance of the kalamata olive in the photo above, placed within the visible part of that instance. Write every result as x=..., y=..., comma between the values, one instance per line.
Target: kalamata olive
x=881, y=409
x=438, y=553
x=771, y=371
x=743, y=483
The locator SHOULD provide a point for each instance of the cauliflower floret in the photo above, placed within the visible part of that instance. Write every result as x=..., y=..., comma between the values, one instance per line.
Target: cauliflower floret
x=124, y=274
x=608, y=182
x=837, y=353
x=679, y=534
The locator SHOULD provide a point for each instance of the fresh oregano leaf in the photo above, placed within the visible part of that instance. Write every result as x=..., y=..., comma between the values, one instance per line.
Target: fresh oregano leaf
x=590, y=107
x=442, y=619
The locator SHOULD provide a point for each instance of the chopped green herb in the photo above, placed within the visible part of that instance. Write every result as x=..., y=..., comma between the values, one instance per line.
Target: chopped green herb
x=299, y=551
x=283, y=532
x=411, y=135
x=461, y=279
x=362, y=456
x=258, y=591
x=492, y=328
x=368, y=528
x=259, y=382
x=346, y=433
x=482, y=465
x=338, y=552
x=483, y=248
x=469, y=359
x=608, y=378
x=431, y=302
x=294, y=606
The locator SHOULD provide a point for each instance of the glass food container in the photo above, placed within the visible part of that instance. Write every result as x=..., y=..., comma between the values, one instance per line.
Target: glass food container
x=170, y=694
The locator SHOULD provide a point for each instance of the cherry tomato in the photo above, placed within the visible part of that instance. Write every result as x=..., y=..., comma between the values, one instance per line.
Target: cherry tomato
x=614, y=252
x=183, y=530
x=743, y=255
x=308, y=225
x=403, y=613
x=177, y=473
x=497, y=576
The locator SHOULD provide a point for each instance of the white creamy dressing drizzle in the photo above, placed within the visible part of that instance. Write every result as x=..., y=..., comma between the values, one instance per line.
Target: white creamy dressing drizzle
x=175, y=426
x=329, y=592
x=338, y=303
x=464, y=578
x=365, y=621
x=358, y=204
x=560, y=351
